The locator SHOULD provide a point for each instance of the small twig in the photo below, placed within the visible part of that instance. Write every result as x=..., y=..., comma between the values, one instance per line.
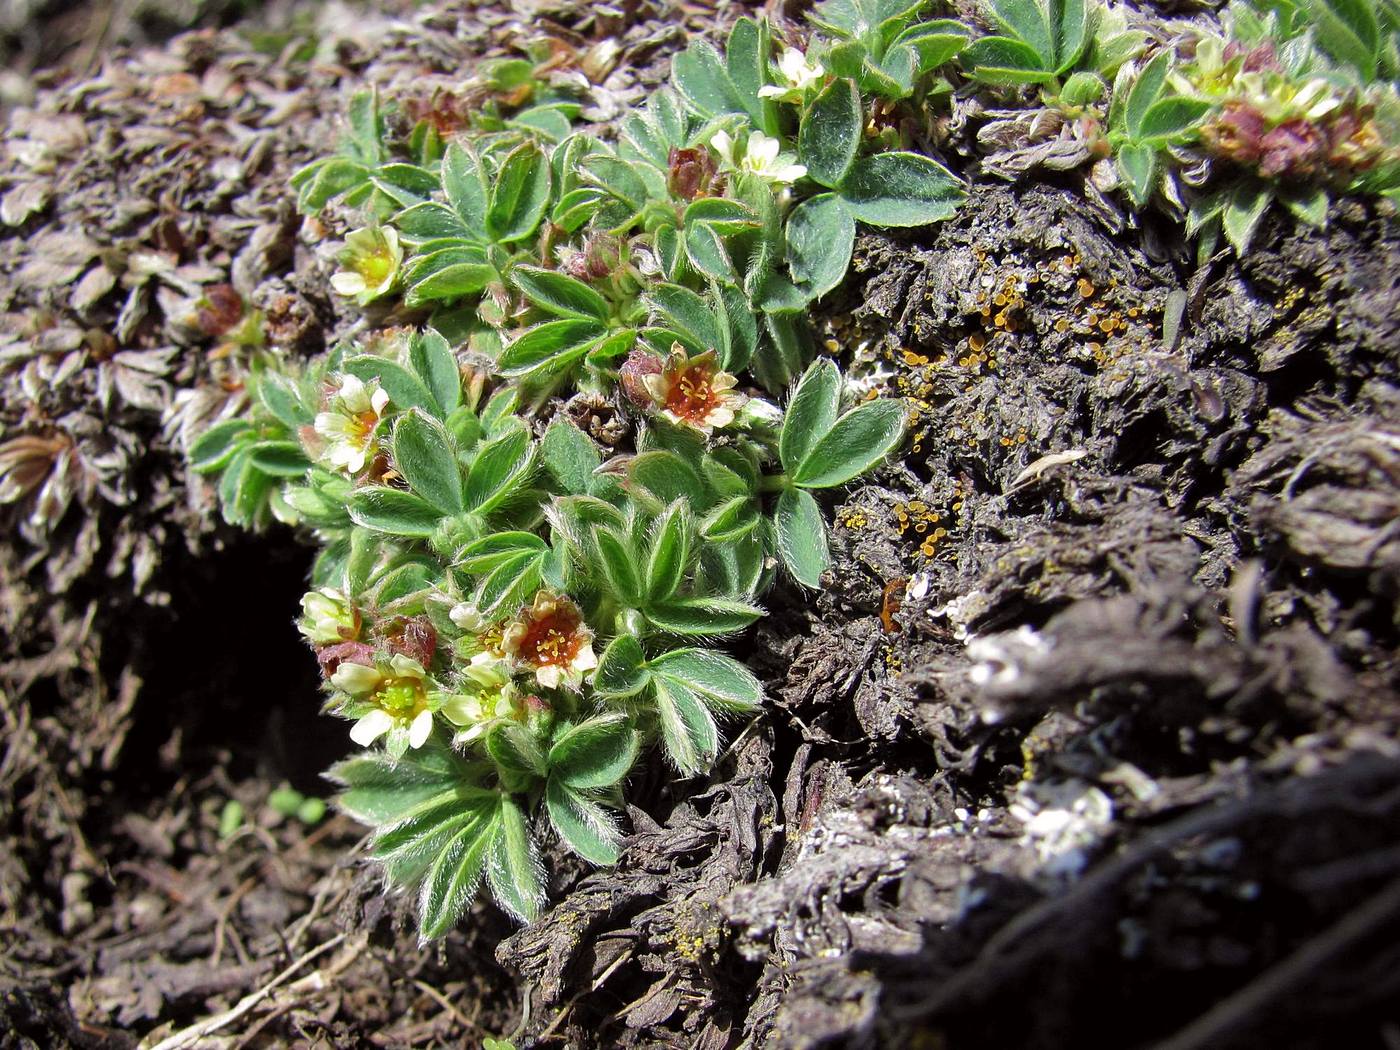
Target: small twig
x=190, y=1036
x=224, y=913
x=446, y=1003
x=1211, y=1028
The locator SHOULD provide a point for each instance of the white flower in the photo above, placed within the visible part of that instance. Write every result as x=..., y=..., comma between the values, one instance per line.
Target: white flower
x=371, y=259
x=761, y=157
x=328, y=616
x=397, y=700
x=487, y=696
x=798, y=74
x=349, y=422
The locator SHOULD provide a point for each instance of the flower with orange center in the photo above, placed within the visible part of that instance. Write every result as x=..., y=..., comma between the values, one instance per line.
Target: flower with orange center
x=551, y=639
x=348, y=424
x=693, y=392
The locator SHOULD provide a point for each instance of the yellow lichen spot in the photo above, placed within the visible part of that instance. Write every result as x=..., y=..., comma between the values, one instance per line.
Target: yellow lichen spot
x=1062, y=325
x=1086, y=289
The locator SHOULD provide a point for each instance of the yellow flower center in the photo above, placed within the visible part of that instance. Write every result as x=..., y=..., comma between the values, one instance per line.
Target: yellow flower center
x=401, y=697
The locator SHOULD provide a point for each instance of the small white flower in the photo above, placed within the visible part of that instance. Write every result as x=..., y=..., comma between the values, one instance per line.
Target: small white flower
x=327, y=617
x=762, y=157
x=395, y=701
x=349, y=423
x=798, y=74
x=371, y=259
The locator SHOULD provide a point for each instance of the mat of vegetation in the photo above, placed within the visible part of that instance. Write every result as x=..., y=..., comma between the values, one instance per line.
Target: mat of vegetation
x=1089, y=739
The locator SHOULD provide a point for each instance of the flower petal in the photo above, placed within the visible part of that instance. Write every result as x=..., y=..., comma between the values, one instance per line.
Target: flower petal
x=355, y=679
x=421, y=729
x=347, y=282
x=371, y=727
x=406, y=666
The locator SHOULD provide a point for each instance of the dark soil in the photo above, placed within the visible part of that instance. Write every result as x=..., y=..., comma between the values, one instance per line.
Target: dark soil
x=1092, y=740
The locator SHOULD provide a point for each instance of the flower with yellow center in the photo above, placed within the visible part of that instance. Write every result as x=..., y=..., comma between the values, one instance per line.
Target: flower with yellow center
x=693, y=392
x=349, y=422
x=551, y=640
x=370, y=259
x=486, y=696
x=392, y=700
x=327, y=617
x=798, y=74
x=761, y=157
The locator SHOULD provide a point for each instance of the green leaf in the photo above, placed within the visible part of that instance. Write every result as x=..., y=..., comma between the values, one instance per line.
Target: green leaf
x=513, y=749
x=280, y=459
x=569, y=456
x=699, y=74
x=520, y=196
x=582, y=824
x=746, y=59
x=802, y=537
x=447, y=282
x=451, y=883
x=830, y=133
x=1004, y=62
x=487, y=553
x=595, y=753
x=464, y=183
x=699, y=617
x=213, y=449
x=934, y=43
x=667, y=477
x=704, y=248
x=687, y=727
x=425, y=455
x=558, y=293
x=1146, y=90
x=619, y=563
x=1309, y=204
x=1071, y=22
x=618, y=178
x=393, y=511
x=510, y=584
x=498, y=467
x=432, y=359
x=621, y=670
x=1170, y=117
x=858, y=441
x=513, y=870
x=1027, y=21
x=1348, y=31
x=720, y=680
x=550, y=347
x=404, y=388
x=811, y=411
x=726, y=216
x=280, y=397
x=1137, y=163
x=687, y=311
x=1244, y=209
x=377, y=791
x=730, y=520
x=431, y=221
x=669, y=553
x=900, y=189
x=821, y=234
